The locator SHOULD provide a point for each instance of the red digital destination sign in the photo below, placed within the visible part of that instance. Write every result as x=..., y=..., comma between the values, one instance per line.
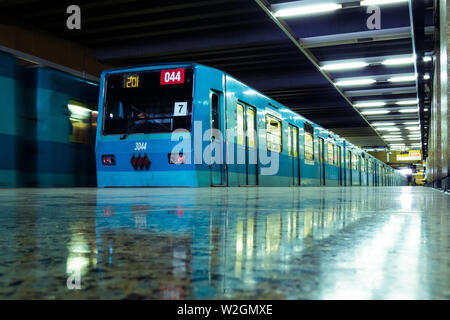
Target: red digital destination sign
x=172, y=76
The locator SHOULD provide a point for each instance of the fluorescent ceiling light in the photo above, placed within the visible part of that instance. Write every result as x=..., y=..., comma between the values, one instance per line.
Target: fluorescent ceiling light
x=394, y=139
x=406, y=102
x=398, y=61
x=425, y=109
x=389, y=129
x=408, y=110
x=356, y=82
x=380, y=2
x=411, y=122
x=345, y=65
x=378, y=124
x=426, y=76
x=391, y=136
x=427, y=59
x=376, y=112
x=413, y=128
x=370, y=104
x=403, y=79
x=308, y=9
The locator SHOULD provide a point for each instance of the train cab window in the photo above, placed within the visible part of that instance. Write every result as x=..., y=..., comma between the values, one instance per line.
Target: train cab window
x=215, y=111
x=294, y=141
x=273, y=134
x=138, y=102
x=251, y=130
x=330, y=153
x=240, y=124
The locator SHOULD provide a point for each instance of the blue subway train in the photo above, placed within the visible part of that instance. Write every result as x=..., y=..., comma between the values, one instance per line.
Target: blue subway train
x=48, y=123
x=189, y=125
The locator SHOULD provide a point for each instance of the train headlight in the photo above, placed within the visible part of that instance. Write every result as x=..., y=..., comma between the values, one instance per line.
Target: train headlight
x=109, y=160
x=176, y=158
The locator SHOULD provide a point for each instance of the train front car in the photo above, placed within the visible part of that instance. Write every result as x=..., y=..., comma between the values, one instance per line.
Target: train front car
x=144, y=115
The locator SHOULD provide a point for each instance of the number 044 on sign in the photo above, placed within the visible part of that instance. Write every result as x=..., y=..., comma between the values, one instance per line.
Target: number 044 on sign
x=180, y=109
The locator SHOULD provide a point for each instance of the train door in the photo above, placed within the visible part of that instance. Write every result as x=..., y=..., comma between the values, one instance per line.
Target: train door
x=217, y=169
x=349, y=167
x=247, y=149
x=294, y=167
x=251, y=148
x=360, y=164
x=339, y=164
x=322, y=161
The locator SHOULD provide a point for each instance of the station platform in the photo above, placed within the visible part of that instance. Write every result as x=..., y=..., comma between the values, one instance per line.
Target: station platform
x=225, y=243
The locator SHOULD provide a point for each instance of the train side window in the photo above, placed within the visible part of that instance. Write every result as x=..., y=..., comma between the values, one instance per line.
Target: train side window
x=80, y=119
x=289, y=141
x=309, y=146
x=273, y=134
x=363, y=165
x=349, y=160
x=251, y=127
x=240, y=124
x=330, y=153
x=354, y=162
x=294, y=141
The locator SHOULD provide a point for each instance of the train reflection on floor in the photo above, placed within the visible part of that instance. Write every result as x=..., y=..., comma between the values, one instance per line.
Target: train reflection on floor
x=269, y=243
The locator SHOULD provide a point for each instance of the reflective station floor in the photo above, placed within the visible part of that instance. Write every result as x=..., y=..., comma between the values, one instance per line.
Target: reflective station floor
x=256, y=243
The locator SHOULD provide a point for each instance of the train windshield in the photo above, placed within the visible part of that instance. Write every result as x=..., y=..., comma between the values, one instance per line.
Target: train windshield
x=157, y=101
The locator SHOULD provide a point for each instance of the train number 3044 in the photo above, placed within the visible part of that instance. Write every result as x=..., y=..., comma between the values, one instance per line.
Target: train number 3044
x=140, y=146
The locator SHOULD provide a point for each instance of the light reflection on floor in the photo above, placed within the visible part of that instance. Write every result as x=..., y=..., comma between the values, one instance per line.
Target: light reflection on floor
x=256, y=243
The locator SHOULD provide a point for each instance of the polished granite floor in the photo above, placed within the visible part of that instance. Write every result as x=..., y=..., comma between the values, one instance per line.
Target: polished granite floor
x=236, y=243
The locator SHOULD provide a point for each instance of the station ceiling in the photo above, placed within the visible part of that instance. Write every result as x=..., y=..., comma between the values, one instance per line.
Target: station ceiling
x=286, y=57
